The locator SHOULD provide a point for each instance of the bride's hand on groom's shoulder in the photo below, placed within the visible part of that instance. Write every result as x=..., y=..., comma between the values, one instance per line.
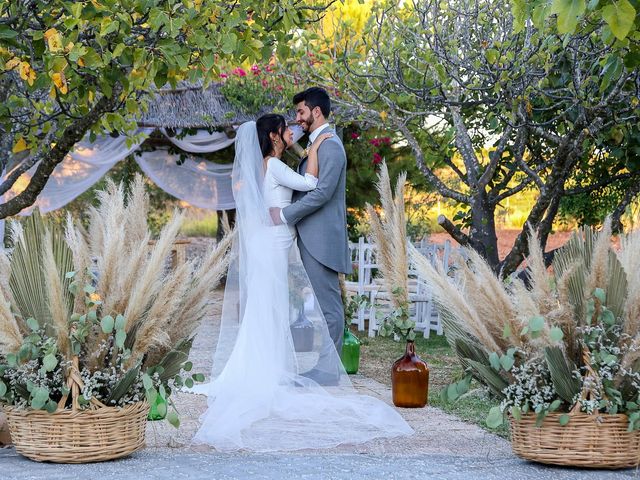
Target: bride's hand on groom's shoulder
x=321, y=138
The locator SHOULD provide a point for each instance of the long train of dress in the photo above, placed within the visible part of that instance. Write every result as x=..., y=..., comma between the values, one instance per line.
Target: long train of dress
x=258, y=400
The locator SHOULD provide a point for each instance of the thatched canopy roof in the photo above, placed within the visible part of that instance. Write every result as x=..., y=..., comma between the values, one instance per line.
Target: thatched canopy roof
x=192, y=106
x=189, y=105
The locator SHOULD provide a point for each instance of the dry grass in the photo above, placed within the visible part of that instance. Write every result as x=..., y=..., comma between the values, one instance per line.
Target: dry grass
x=599, y=269
x=459, y=315
x=56, y=295
x=76, y=239
x=477, y=307
x=492, y=303
x=10, y=336
x=388, y=230
x=161, y=306
x=481, y=306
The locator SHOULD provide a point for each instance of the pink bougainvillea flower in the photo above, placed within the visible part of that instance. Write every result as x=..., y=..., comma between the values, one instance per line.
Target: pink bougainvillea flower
x=279, y=88
x=268, y=68
x=224, y=75
x=355, y=135
x=264, y=83
x=255, y=69
x=375, y=142
x=240, y=72
x=377, y=158
x=386, y=140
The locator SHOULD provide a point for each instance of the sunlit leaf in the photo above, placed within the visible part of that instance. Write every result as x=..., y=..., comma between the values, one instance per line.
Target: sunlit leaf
x=620, y=16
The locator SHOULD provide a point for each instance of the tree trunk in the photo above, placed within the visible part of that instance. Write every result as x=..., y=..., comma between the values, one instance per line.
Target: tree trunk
x=483, y=230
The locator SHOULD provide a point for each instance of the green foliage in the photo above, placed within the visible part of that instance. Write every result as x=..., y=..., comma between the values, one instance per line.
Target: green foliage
x=567, y=386
x=616, y=154
x=585, y=362
x=36, y=375
x=569, y=13
x=27, y=278
x=201, y=227
x=352, y=305
x=79, y=52
x=261, y=89
x=396, y=322
x=495, y=417
x=474, y=406
x=533, y=108
x=456, y=390
x=580, y=17
x=366, y=148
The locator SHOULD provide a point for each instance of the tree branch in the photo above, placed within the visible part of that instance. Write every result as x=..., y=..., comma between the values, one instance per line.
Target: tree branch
x=629, y=195
x=455, y=232
x=463, y=142
x=495, y=158
x=602, y=183
x=72, y=134
x=427, y=172
x=21, y=168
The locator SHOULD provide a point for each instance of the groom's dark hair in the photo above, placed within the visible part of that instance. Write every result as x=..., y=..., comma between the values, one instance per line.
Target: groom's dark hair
x=314, y=97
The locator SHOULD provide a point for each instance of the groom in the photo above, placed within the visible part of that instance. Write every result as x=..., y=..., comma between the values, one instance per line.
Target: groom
x=320, y=214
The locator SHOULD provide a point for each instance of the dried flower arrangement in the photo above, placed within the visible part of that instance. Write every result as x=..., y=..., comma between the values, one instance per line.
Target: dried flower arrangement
x=566, y=342
x=389, y=232
x=101, y=304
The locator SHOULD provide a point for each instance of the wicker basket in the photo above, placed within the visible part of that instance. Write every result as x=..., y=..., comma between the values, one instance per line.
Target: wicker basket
x=95, y=434
x=591, y=441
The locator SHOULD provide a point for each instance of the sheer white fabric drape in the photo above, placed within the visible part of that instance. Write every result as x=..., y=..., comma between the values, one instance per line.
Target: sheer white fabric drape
x=201, y=142
x=199, y=182
x=82, y=168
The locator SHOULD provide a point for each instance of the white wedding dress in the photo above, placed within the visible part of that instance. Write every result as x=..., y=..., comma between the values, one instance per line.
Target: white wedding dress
x=257, y=399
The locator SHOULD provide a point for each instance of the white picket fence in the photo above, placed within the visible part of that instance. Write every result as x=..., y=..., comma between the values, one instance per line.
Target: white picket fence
x=422, y=309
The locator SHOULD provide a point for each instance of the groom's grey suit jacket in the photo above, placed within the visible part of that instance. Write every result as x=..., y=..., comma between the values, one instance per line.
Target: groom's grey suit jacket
x=320, y=215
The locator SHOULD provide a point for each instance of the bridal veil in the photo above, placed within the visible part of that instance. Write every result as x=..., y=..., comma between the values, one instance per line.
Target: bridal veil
x=271, y=332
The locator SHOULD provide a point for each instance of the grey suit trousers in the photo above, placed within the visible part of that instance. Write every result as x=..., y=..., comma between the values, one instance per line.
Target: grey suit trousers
x=326, y=286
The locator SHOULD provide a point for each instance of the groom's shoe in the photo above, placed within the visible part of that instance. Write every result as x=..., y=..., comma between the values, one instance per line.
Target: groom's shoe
x=322, y=378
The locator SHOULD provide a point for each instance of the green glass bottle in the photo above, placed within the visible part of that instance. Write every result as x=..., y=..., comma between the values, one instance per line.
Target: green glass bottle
x=158, y=410
x=350, y=354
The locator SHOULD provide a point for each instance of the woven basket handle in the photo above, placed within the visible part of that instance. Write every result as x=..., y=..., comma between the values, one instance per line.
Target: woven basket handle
x=75, y=385
x=586, y=392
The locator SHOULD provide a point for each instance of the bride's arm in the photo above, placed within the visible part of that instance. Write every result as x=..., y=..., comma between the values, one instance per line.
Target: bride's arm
x=289, y=178
x=312, y=159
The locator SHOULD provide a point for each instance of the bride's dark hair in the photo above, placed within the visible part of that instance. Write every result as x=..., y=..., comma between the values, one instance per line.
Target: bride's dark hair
x=267, y=124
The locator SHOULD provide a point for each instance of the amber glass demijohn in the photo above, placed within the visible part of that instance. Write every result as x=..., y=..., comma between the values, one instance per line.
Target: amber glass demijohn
x=410, y=380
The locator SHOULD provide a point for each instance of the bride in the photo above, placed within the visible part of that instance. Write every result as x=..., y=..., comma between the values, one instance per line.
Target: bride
x=259, y=398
